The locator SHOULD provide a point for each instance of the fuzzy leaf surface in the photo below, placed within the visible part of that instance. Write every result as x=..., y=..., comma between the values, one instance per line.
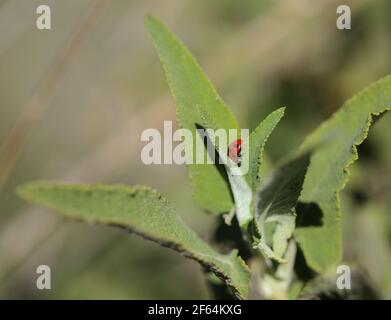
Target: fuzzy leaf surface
x=191, y=88
x=143, y=211
x=337, y=139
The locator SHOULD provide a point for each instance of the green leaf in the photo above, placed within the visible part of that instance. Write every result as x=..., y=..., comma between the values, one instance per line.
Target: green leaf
x=258, y=140
x=275, y=203
x=190, y=88
x=143, y=211
x=240, y=188
x=241, y=191
x=277, y=285
x=328, y=171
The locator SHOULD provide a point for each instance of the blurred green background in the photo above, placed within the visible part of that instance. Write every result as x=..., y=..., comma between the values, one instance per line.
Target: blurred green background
x=74, y=101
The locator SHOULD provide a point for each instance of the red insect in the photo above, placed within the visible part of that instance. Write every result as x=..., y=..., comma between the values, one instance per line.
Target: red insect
x=234, y=150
